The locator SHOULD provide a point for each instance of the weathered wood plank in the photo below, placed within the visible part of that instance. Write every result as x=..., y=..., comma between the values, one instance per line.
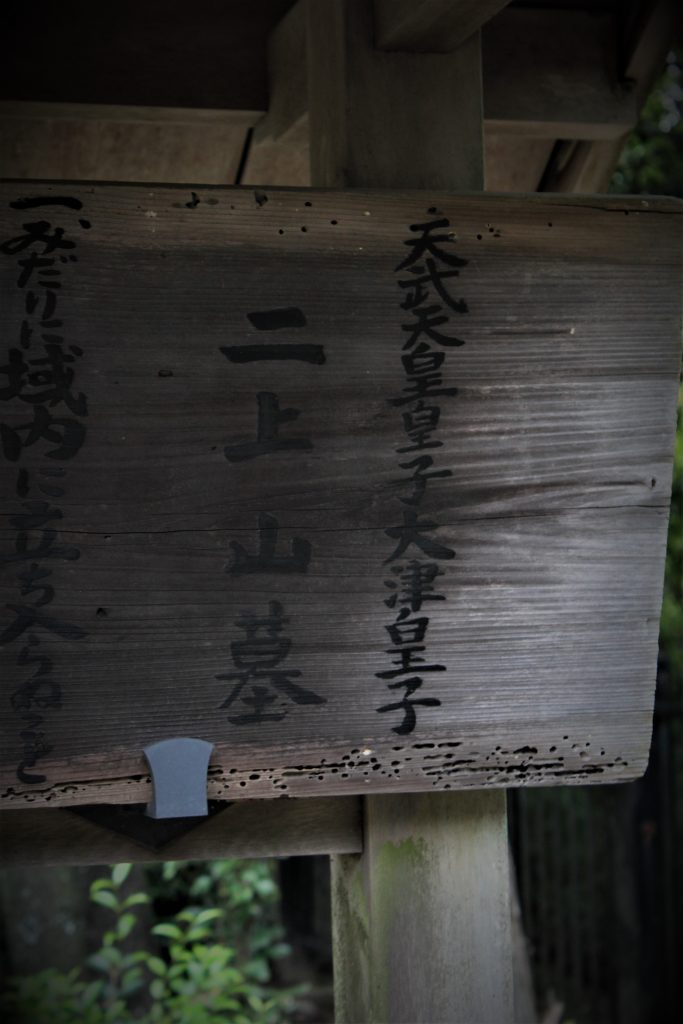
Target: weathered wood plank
x=558, y=443
x=88, y=142
x=289, y=828
x=430, y=26
x=582, y=166
x=514, y=163
x=422, y=928
x=30, y=110
x=585, y=166
x=279, y=146
x=345, y=69
x=554, y=73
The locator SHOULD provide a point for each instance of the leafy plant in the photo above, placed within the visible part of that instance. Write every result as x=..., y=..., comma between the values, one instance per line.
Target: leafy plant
x=671, y=631
x=193, y=977
x=652, y=160
x=248, y=893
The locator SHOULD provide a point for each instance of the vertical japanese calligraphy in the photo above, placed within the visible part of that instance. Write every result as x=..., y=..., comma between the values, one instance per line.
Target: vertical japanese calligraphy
x=44, y=429
x=262, y=687
x=427, y=272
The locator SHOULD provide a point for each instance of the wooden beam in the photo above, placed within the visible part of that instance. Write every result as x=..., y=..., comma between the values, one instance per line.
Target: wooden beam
x=576, y=166
x=554, y=73
x=653, y=27
x=288, y=828
x=547, y=73
x=587, y=166
x=515, y=163
x=126, y=114
x=400, y=136
x=91, y=142
x=430, y=26
x=278, y=150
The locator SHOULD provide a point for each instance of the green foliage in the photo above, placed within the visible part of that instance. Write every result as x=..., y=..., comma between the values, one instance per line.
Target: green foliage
x=196, y=978
x=671, y=630
x=248, y=893
x=652, y=161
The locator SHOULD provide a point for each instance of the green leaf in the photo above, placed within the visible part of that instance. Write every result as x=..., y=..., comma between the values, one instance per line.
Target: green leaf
x=225, y=1003
x=109, y=955
x=135, y=899
x=169, y=931
x=201, y=885
x=90, y=993
x=100, y=962
x=207, y=915
x=125, y=925
x=100, y=883
x=131, y=981
x=140, y=957
x=157, y=965
x=120, y=873
x=105, y=898
x=157, y=989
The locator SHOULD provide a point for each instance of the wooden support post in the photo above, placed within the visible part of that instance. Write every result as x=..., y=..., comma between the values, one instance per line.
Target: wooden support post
x=390, y=120
x=421, y=919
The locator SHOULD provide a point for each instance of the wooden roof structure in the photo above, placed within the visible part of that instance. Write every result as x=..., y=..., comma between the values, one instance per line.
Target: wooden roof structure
x=124, y=96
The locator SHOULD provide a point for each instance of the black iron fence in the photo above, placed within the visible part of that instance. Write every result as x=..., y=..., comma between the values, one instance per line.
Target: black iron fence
x=600, y=876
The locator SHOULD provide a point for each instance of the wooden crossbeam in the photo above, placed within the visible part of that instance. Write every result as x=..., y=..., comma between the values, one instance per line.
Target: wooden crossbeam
x=279, y=150
x=430, y=26
x=288, y=828
x=587, y=166
x=90, y=141
x=547, y=74
x=554, y=73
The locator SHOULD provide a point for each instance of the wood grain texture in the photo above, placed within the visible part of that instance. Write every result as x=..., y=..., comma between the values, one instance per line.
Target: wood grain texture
x=430, y=26
x=558, y=443
x=288, y=828
x=354, y=88
x=582, y=166
x=90, y=143
x=514, y=163
x=554, y=74
x=279, y=152
x=587, y=166
x=421, y=923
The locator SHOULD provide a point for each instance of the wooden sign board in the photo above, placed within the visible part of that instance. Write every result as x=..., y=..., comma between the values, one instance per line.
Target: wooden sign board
x=369, y=490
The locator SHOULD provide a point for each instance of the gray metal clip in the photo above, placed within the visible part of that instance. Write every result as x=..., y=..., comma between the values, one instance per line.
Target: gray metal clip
x=179, y=770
